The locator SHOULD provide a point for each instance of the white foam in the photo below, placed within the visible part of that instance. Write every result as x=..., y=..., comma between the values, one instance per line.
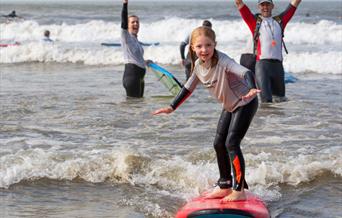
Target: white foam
x=174, y=175
x=313, y=47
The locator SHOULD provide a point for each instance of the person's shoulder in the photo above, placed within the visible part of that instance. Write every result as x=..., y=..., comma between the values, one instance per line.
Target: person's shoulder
x=223, y=57
x=224, y=60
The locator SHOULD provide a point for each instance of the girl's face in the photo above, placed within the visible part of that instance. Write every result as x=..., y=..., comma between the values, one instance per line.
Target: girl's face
x=204, y=48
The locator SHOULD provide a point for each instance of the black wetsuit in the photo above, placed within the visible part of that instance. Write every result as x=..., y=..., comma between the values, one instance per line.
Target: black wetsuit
x=231, y=129
x=133, y=77
x=133, y=80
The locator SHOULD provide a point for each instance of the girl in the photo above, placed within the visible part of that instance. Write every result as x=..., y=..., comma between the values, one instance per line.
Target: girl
x=233, y=86
x=133, y=78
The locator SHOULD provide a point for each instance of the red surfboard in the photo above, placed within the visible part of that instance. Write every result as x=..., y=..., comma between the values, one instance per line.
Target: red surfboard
x=212, y=208
x=9, y=44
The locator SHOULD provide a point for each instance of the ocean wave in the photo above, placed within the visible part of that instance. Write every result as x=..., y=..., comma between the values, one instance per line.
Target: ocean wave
x=174, y=175
x=297, y=33
x=311, y=49
x=95, y=54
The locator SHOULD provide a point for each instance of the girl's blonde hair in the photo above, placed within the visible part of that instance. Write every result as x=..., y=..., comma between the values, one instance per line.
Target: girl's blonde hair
x=202, y=31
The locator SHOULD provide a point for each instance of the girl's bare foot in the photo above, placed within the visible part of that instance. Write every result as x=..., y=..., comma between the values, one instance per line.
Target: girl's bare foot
x=218, y=193
x=234, y=196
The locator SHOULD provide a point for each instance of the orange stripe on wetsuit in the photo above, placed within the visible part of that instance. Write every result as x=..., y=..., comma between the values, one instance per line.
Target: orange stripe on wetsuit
x=237, y=169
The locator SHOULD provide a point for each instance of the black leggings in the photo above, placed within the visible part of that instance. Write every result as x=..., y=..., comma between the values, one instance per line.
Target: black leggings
x=231, y=129
x=133, y=80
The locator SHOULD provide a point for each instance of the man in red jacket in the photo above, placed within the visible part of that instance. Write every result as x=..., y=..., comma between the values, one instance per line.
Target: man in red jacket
x=267, y=32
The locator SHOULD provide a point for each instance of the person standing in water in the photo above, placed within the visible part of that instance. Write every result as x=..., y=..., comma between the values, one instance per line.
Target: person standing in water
x=267, y=32
x=233, y=85
x=134, y=73
x=186, y=62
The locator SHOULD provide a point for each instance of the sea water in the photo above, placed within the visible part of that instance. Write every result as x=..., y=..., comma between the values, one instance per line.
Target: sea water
x=73, y=145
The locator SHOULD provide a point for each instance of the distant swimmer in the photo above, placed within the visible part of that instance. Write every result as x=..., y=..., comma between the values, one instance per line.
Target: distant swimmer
x=12, y=15
x=47, y=36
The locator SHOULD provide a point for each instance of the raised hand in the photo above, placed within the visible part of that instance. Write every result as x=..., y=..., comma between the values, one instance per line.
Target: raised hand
x=239, y=4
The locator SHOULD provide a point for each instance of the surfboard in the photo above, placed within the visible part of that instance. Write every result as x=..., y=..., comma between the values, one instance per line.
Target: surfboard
x=289, y=78
x=119, y=44
x=200, y=207
x=111, y=44
x=165, y=77
x=9, y=44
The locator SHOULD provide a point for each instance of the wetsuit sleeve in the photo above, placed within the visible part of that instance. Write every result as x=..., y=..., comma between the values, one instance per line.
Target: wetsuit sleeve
x=124, y=17
x=249, y=77
x=182, y=47
x=248, y=17
x=186, y=91
x=180, y=98
x=287, y=15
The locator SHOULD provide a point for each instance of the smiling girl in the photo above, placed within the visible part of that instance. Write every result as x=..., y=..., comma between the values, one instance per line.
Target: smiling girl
x=233, y=85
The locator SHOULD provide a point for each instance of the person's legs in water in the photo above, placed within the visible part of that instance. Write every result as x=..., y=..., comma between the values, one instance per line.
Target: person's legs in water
x=142, y=86
x=240, y=121
x=133, y=80
x=278, y=82
x=224, y=184
x=263, y=81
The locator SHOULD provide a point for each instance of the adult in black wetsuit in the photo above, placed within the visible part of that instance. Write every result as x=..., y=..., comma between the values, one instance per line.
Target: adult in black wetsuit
x=133, y=77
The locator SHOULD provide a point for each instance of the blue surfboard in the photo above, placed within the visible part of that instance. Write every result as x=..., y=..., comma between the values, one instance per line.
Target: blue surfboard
x=114, y=44
x=289, y=78
x=165, y=77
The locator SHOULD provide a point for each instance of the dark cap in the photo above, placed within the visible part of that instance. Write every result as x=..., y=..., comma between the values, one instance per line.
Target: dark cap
x=262, y=1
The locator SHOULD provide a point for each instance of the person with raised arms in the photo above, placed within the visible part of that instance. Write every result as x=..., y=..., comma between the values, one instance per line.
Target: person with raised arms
x=133, y=52
x=233, y=85
x=267, y=33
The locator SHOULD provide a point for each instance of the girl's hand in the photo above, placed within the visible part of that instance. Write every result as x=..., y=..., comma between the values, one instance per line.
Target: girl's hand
x=251, y=94
x=165, y=110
